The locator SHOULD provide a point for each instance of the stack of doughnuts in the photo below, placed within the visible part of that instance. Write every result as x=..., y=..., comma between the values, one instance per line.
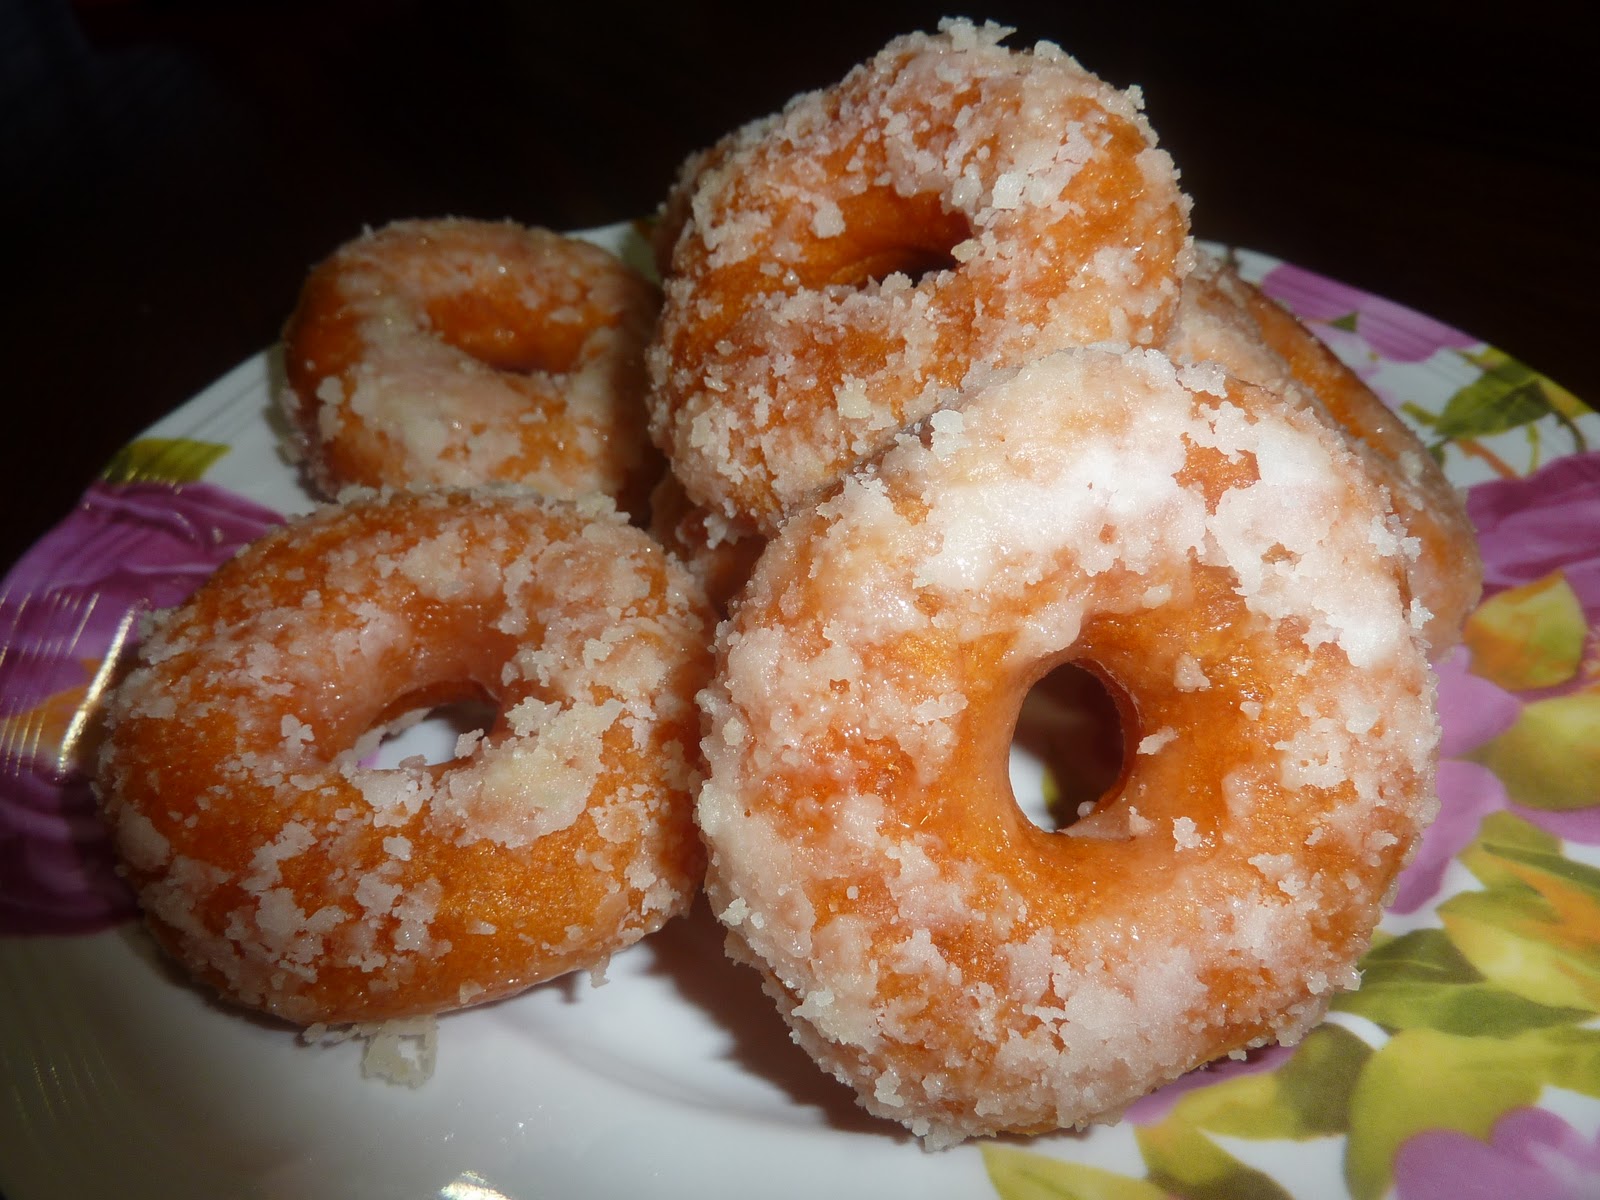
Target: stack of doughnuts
x=843, y=268
x=940, y=396
x=470, y=395
x=938, y=339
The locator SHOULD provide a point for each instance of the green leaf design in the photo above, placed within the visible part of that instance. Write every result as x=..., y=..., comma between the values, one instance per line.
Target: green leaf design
x=163, y=460
x=1509, y=850
x=1564, y=403
x=1427, y=1079
x=1574, y=1057
x=1535, y=929
x=1516, y=940
x=1025, y=1175
x=1503, y=833
x=1187, y=1163
x=1305, y=1097
x=1550, y=758
x=1423, y=981
x=1423, y=955
x=1488, y=1013
x=1482, y=1008
x=1504, y=397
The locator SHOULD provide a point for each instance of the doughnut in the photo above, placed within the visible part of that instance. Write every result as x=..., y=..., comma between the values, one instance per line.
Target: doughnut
x=293, y=877
x=1221, y=561
x=1223, y=319
x=839, y=270
x=456, y=353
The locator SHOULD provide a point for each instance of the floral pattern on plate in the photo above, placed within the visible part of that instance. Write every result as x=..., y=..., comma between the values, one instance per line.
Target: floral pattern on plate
x=141, y=538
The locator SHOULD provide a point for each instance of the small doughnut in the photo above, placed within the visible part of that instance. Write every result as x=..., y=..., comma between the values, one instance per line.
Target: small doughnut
x=294, y=879
x=840, y=269
x=1225, y=320
x=455, y=353
x=1222, y=561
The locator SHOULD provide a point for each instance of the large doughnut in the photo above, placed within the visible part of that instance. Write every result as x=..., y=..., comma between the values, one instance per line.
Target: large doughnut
x=839, y=270
x=1223, y=319
x=1221, y=560
x=295, y=880
x=458, y=352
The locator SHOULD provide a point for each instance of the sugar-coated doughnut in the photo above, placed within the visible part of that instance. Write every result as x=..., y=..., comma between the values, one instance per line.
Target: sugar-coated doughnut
x=460, y=352
x=285, y=872
x=1223, y=319
x=1222, y=561
x=840, y=269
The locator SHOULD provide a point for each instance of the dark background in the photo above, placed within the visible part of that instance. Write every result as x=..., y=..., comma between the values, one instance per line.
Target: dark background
x=168, y=171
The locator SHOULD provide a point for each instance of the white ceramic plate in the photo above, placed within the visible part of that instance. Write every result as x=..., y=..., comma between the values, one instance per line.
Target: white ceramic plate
x=676, y=1077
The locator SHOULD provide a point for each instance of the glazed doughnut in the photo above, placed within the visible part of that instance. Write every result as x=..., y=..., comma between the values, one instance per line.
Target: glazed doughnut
x=1221, y=560
x=294, y=879
x=455, y=353
x=839, y=270
x=1223, y=319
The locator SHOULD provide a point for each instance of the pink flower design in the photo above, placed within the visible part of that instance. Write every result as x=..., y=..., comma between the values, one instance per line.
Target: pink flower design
x=66, y=604
x=1393, y=331
x=1531, y=1154
x=1530, y=527
x=1527, y=528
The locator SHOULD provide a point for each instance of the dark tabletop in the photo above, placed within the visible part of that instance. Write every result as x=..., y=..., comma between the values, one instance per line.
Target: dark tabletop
x=168, y=171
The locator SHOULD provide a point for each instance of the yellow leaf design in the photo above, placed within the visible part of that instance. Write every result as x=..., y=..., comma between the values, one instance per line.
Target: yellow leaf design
x=1530, y=636
x=163, y=460
x=1535, y=928
x=1019, y=1174
x=1550, y=758
x=46, y=731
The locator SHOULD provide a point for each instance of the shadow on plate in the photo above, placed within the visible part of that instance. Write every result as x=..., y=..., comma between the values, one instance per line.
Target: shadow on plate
x=689, y=952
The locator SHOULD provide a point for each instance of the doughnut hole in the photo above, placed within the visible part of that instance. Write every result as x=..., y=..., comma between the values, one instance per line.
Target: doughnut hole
x=1069, y=749
x=887, y=234
x=429, y=723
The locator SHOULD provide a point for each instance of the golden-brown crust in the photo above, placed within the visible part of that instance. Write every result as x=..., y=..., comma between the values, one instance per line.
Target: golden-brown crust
x=292, y=878
x=460, y=352
x=1218, y=555
x=841, y=269
x=1226, y=320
